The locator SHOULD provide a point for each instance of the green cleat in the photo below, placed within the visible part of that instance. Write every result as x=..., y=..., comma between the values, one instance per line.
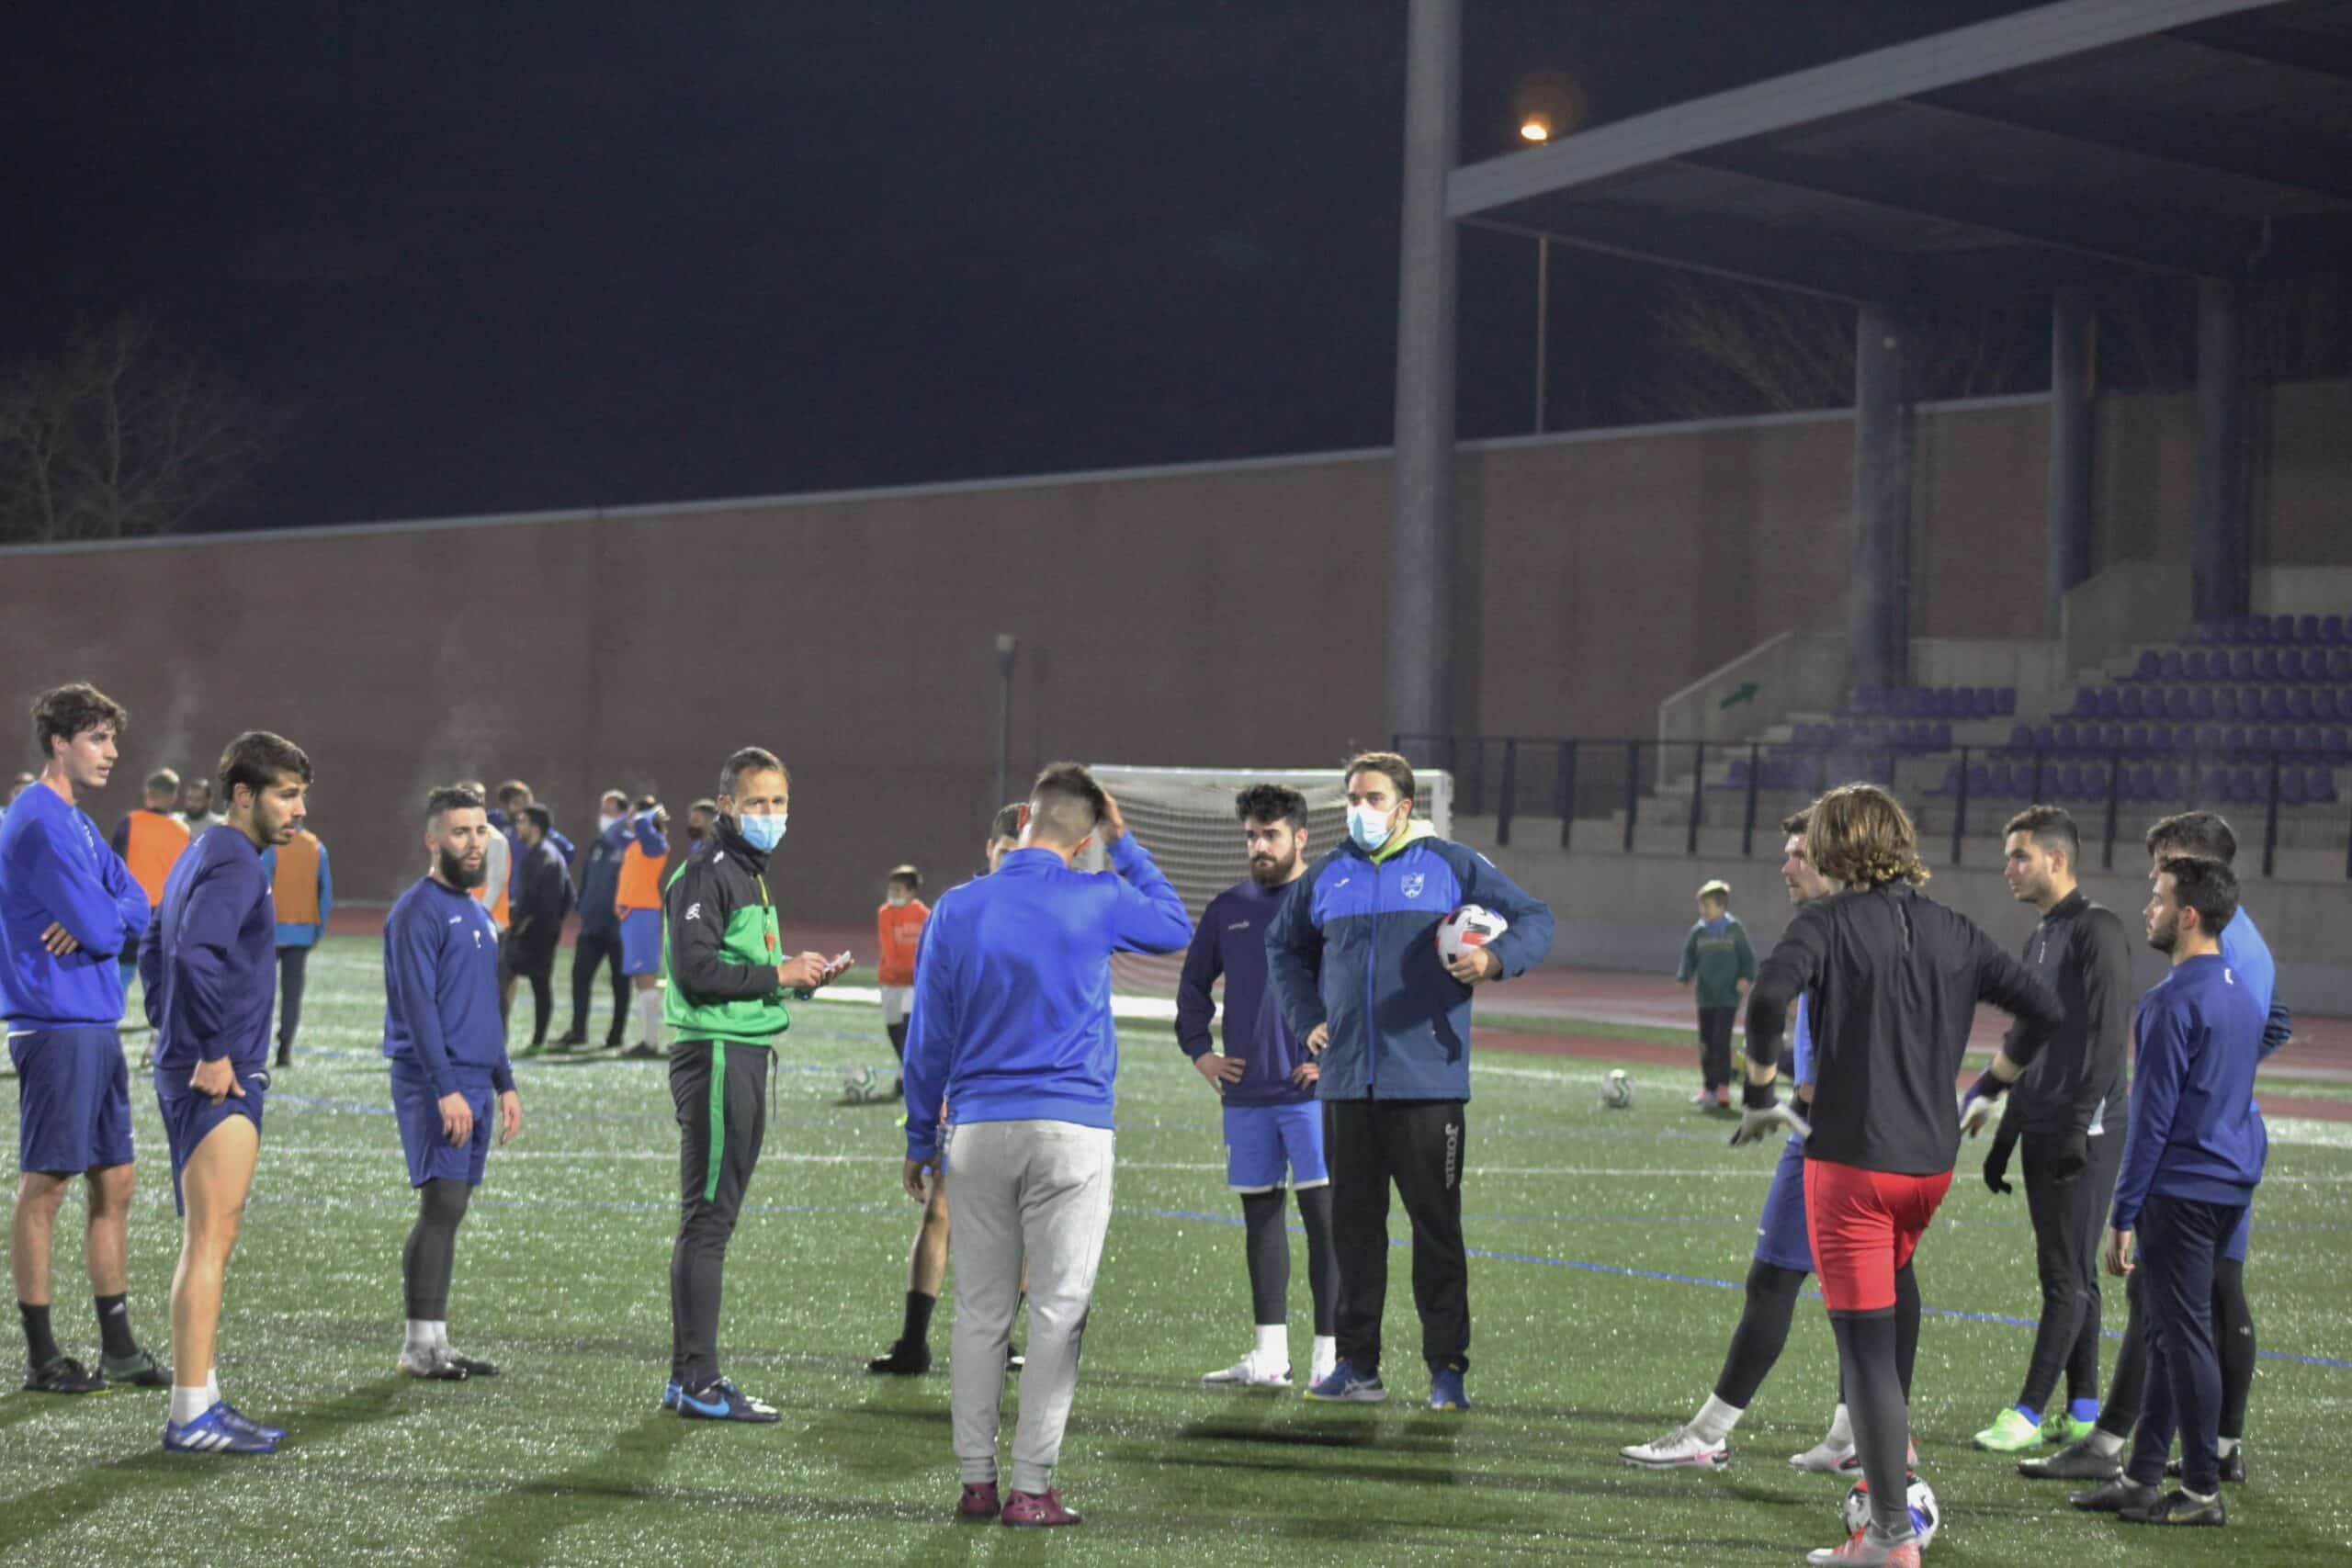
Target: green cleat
x=2010, y=1432
x=2060, y=1429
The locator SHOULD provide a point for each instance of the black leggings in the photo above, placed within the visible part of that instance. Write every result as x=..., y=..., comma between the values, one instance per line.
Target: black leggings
x=431, y=1256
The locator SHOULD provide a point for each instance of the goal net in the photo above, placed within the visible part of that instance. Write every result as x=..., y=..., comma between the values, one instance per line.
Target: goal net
x=1184, y=817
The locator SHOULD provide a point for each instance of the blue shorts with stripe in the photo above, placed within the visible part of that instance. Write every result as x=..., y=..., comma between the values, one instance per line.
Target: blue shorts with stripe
x=642, y=943
x=431, y=1156
x=1264, y=1143
x=189, y=1117
x=73, y=1097
x=1782, y=1239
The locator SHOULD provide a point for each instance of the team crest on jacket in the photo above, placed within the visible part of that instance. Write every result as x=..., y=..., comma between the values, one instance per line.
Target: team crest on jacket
x=1412, y=884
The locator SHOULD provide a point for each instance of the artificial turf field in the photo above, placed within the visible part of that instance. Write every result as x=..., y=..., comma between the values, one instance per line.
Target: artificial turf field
x=1608, y=1245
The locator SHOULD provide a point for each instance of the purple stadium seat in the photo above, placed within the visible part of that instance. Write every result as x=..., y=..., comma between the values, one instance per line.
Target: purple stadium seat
x=2136, y=738
x=2214, y=786
x=2337, y=744
x=2200, y=703
x=2209, y=632
x=2257, y=627
x=2306, y=628
x=2004, y=699
x=2020, y=737
x=2192, y=666
x=2064, y=736
x=1980, y=780
x=2339, y=665
x=2311, y=743
x=2282, y=628
x=2331, y=630
x=2110, y=738
x=2020, y=781
x=2225, y=702
x=2169, y=665
x=2110, y=701
x=2291, y=786
x=2176, y=705
x=2241, y=665
x=2298, y=701
x=2266, y=664
x=2233, y=741
x=2150, y=666
x=2274, y=702
x=2321, y=787
x=2167, y=783
x=2085, y=701
x=2242, y=789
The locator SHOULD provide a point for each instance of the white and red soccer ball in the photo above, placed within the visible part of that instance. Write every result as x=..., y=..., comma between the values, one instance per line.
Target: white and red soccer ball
x=1468, y=927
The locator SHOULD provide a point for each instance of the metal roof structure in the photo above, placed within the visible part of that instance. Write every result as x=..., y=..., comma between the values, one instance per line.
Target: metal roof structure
x=2066, y=144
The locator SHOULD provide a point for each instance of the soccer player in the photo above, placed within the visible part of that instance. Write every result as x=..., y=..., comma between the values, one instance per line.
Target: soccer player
x=898, y=931
x=492, y=895
x=2099, y=1455
x=150, y=841
x=1356, y=973
x=1274, y=1129
x=302, y=884
x=1011, y=1028
x=600, y=924
x=17, y=786
x=450, y=1077
x=542, y=897
x=637, y=900
x=1783, y=1258
x=702, y=817
x=909, y=1355
x=1717, y=955
x=1896, y=978
x=2066, y=1111
x=197, y=813
x=69, y=908
x=728, y=978
x=2196, y=1153
x=207, y=966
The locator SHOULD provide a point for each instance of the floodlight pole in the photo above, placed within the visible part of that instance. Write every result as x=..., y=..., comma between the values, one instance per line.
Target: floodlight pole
x=1007, y=652
x=1543, y=324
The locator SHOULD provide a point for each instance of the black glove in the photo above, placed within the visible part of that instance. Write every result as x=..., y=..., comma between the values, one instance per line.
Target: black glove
x=1996, y=1165
x=2071, y=1156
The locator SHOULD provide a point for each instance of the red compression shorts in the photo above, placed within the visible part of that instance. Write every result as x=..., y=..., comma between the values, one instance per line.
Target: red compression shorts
x=1864, y=1225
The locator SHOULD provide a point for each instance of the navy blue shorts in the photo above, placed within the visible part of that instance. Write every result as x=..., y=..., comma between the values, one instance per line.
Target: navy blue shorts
x=73, y=1099
x=431, y=1156
x=1263, y=1143
x=1780, y=1236
x=642, y=943
x=189, y=1117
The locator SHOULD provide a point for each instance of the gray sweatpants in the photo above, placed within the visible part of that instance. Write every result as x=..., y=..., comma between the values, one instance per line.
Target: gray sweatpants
x=1038, y=1191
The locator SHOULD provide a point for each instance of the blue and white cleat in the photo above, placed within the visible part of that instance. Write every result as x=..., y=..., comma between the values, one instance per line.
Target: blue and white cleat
x=1446, y=1391
x=720, y=1400
x=1348, y=1386
x=236, y=1418
x=219, y=1431
x=669, y=1397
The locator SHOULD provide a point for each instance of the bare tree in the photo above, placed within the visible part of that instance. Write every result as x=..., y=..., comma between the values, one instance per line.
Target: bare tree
x=112, y=437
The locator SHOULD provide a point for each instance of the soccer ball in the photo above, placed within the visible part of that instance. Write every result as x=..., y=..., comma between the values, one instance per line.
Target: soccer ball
x=1466, y=928
x=1617, y=1090
x=861, y=1085
x=1924, y=1512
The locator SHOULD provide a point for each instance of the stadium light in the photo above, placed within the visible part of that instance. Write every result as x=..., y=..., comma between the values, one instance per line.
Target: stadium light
x=1536, y=128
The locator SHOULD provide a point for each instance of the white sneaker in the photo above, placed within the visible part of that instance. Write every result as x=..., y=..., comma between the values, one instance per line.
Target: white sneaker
x=1247, y=1373
x=1679, y=1450
x=1827, y=1457
x=432, y=1364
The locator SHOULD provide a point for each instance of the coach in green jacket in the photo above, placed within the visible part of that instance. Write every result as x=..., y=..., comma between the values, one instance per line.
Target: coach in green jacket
x=723, y=959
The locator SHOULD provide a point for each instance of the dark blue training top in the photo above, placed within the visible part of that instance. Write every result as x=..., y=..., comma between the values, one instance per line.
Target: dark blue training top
x=441, y=988
x=1231, y=940
x=210, y=961
x=56, y=869
x=2194, y=1132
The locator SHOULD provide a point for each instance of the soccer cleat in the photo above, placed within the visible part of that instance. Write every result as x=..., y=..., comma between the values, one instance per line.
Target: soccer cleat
x=1446, y=1391
x=1033, y=1509
x=1246, y=1374
x=2075, y=1462
x=979, y=1504
x=1865, y=1548
x=216, y=1432
x=570, y=1038
x=1348, y=1386
x=642, y=1052
x=432, y=1366
x=2060, y=1428
x=468, y=1366
x=669, y=1397
x=285, y=1057
x=2114, y=1497
x=903, y=1360
x=238, y=1418
x=1826, y=1458
x=1703, y=1100
x=2010, y=1432
x=535, y=1048
x=2177, y=1509
x=1680, y=1449
x=63, y=1374
x=720, y=1400
x=2232, y=1463
x=137, y=1369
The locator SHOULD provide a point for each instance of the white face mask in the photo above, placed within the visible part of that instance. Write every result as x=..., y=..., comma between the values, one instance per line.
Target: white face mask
x=898, y=900
x=605, y=823
x=1368, y=825
x=762, y=832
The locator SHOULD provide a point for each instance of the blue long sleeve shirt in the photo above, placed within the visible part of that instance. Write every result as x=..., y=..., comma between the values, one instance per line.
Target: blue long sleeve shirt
x=56, y=869
x=209, y=963
x=441, y=988
x=1012, y=1015
x=1231, y=941
x=600, y=877
x=2194, y=1132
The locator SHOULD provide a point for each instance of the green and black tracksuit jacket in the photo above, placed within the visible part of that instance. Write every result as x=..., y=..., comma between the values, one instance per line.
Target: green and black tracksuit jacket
x=720, y=946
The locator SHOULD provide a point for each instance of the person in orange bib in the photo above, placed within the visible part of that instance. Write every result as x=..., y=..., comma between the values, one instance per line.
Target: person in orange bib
x=638, y=901
x=303, y=886
x=150, y=840
x=898, y=928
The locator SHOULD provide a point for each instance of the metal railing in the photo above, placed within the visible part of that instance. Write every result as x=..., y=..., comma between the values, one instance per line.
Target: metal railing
x=1593, y=791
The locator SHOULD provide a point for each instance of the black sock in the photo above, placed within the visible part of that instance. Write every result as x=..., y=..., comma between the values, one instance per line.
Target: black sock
x=917, y=1330
x=1882, y=1417
x=1762, y=1333
x=1322, y=1261
x=114, y=1325
x=1907, y=1332
x=41, y=1345
x=1268, y=1247
x=431, y=1255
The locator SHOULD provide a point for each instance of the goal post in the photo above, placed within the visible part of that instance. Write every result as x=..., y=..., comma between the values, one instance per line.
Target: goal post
x=1185, y=818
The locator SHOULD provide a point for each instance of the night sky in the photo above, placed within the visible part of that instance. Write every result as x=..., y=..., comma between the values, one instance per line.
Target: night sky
x=563, y=253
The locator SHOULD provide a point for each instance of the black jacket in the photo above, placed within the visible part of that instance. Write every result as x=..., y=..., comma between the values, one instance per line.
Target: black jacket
x=1895, y=978
x=2083, y=953
x=540, y=898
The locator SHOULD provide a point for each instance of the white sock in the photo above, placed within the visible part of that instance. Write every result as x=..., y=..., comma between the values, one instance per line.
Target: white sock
x=1715, y=1421
x=440, y=1335
x=1326, y=1352
x=212, y=1384
x=2104, y=1443
x=1841, y=1428
x=1273, y=1347
x=187, y=1403
x=649, y=1016
x=2227, y=1446
x=419, y=1340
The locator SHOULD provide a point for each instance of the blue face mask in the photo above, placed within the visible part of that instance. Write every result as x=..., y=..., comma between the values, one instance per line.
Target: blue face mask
x=763, y=833
x=1368, y=827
